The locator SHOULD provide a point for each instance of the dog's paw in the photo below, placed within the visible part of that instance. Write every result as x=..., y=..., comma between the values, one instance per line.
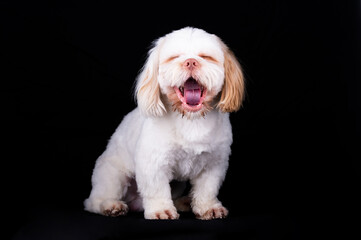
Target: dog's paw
x=213, y=213
x=170, y=214
x=113, y=208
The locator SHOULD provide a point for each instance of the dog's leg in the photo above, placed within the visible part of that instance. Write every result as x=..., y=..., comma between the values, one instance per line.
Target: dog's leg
x=205, y=187
x=109, y=186
x=156, y=193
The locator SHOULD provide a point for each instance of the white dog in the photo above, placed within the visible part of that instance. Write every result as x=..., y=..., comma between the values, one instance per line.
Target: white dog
x=179, y=131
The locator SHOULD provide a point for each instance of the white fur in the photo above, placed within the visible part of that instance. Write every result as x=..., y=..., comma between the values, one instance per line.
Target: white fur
x=154, y=145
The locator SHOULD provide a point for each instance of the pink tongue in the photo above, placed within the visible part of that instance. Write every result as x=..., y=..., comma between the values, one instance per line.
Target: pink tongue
x=192, y=92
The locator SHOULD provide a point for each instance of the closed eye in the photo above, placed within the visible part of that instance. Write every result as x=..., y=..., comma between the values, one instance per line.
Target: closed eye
x=171, y=59
x=208, y=58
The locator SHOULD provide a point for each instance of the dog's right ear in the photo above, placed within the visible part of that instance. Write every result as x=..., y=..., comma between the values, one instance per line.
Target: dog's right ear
x=147, y=90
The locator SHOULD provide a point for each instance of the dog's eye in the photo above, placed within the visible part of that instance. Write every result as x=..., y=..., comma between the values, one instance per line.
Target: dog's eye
x=208, y=58
x=171, y=58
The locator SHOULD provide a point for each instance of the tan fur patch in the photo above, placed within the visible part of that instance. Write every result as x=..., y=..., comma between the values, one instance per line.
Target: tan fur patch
x=234, y=84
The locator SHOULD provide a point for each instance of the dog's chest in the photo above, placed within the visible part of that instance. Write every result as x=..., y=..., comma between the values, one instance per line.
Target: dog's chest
x=187, y=163
x=195, y=140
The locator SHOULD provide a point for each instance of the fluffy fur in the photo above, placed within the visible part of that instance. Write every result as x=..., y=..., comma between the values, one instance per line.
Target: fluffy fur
x=175, y=133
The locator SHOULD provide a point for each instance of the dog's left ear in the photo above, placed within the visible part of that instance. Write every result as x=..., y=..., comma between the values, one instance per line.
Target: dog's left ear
x=233, y=88
x=147, y=90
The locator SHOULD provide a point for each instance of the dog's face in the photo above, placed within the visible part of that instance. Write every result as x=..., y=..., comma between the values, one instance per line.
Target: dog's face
x=192, y=72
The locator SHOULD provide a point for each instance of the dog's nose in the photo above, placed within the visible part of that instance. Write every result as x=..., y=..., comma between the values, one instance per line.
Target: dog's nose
x=190, y=63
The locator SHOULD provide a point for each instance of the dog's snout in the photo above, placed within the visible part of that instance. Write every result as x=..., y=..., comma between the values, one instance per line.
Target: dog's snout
x=190, y=63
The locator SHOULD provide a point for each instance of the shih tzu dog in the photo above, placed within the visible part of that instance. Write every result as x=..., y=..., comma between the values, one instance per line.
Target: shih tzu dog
x=179, y=131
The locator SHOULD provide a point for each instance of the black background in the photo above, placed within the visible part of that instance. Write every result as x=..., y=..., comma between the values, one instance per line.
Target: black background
x=67, y=73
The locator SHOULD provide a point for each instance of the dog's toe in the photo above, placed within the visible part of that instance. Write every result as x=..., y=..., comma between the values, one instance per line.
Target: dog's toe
x=163, y=215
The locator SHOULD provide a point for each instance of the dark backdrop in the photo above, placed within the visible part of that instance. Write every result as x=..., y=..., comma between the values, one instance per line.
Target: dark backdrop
x=67, y=73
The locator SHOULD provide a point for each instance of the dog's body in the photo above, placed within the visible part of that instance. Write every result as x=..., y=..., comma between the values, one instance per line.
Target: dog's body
x=180, y=131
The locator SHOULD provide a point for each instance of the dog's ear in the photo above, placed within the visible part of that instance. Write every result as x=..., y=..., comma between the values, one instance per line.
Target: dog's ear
x=233, y=91
x=147, y=90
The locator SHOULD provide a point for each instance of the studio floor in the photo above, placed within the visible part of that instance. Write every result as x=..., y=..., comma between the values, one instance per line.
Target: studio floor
x=78, y=224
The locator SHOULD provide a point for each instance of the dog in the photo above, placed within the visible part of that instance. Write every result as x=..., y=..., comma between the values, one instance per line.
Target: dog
x=180, y=130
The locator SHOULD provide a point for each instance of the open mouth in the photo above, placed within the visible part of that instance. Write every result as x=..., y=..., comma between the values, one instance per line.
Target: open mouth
x=191, y=94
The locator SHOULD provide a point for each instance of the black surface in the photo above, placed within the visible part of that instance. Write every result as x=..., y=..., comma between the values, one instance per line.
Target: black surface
x=67, y=72
x=82, y=225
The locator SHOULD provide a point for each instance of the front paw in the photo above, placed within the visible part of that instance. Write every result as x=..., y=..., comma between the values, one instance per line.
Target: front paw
x=213, y=213
x=170, y=214
x=209, y=210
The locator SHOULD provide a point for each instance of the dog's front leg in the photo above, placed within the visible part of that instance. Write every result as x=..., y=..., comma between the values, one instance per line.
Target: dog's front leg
x=205, y=187
x=156, y=193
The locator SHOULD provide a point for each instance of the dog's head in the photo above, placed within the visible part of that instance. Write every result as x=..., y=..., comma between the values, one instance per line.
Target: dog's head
x=192, y=72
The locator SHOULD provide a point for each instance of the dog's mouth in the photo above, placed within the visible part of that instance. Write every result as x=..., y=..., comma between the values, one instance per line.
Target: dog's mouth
x=191, y=94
